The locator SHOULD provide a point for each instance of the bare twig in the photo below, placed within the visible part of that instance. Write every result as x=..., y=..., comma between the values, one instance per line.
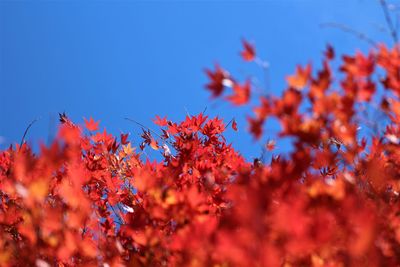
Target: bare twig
x=26, y=132
x=229, y=123
x=265, y=66
x=120, y=220
x=187, y=112
x=389, y=22
x=349, y=30
x=151, y=130
x=143, y=126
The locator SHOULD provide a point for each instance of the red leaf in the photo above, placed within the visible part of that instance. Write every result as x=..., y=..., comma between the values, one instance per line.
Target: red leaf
x=256, y=127
x=359, y=65
x=160, y=121
x=270, y=145
x=366, y=90
x=70, y=134
x=329, y=53
x=241, y=94
x=216, y=84
x=102, y=137
x=248, y=53
x=91, y=125
x=234, y=125
x=124, y=138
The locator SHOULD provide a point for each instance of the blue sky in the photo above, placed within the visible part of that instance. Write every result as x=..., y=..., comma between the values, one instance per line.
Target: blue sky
x=138, y=59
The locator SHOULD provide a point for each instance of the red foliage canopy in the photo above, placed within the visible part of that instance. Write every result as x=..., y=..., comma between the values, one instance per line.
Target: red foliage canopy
x=90, y=199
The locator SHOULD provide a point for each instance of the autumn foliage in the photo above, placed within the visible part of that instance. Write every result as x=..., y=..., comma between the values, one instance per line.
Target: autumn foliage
x=92, y=199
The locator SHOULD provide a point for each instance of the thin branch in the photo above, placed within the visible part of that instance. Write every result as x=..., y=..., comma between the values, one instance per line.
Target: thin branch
x=120, y=220
x=187, y=112
x=204, y=110
x=143, y=126
x=151, y=130
x=121, y=212
x=389, y=22
x=26, y=132
x=263, y=156
x=349, y=30
x=229, y=123
x=265, y=66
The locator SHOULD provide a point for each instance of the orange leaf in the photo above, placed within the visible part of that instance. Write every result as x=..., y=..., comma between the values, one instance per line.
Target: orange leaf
x=300, y=79
x=38, y=189
x=153, y=144
x=128, y=149
x=88, y=248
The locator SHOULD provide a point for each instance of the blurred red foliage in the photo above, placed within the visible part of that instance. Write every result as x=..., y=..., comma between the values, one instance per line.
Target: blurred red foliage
x=90, y=199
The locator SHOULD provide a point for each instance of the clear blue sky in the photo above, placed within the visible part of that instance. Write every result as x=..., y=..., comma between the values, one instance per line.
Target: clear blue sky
x=138, y=59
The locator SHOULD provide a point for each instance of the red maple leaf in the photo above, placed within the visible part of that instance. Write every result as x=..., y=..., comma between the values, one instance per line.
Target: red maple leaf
x=300, y=79
x=91, y=125
x=234, y=125
x=217, y=77
x=160, y=121
x=255, y=127
x=248, y=53
x=241, y=94
x=329, y=53
x=270, y=145
x=124, y=138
